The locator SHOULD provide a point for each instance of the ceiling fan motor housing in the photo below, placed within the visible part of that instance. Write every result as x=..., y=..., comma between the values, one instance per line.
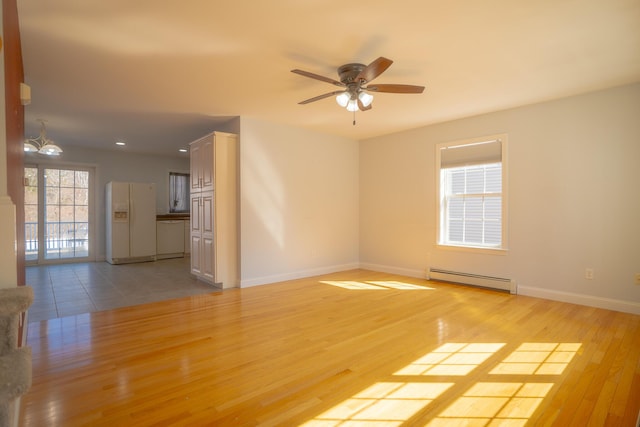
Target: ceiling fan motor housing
x=349, y=72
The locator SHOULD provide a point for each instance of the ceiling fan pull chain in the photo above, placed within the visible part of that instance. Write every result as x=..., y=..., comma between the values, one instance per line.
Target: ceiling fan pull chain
x=354, y=117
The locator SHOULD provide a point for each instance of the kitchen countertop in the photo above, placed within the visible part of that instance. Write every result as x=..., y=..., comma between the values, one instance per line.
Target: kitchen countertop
x=169, y=217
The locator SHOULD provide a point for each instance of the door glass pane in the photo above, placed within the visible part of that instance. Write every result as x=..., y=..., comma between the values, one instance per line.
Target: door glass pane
x=67, y=178
x=67, y=196
x=81, y=214
x=53, y=195
x=66, y=213
x=31, y=213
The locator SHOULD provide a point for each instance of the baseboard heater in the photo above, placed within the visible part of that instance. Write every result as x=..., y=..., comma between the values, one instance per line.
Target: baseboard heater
x=498, y=283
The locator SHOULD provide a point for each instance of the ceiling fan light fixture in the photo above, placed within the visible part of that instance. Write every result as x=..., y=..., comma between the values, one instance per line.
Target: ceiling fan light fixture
x=352, y=105
x=343, y=99
x=365, y=98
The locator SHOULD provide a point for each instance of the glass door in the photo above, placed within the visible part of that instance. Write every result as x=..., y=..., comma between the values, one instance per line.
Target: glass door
x=31, y=213
x=57, y=213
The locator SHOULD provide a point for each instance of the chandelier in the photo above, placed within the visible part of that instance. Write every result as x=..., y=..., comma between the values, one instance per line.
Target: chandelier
x=42, y=144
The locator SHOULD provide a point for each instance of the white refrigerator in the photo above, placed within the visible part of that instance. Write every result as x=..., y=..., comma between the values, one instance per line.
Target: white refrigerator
x=130, y=222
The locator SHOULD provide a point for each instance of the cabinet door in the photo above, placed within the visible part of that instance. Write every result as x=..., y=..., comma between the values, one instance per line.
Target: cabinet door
x=195, y=234
x=196, y=213
x=201, y=232
x=206, y=163
x=195, y=158
x=207, y=258
x=207, y=245
x=201, y=159
x=196, y=255
x=206, y=212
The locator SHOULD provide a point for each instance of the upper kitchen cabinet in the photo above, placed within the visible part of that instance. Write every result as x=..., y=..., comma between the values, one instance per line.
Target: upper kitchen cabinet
x=214, y=200
x=202, y=167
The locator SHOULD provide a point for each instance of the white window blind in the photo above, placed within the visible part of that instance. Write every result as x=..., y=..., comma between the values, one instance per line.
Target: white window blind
x=471, y=154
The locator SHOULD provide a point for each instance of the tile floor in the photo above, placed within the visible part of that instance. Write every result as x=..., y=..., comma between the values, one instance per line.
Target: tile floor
x=68, y=289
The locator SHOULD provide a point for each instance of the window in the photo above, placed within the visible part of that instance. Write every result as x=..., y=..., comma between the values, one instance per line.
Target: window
x=472, y=193
x=178, y=192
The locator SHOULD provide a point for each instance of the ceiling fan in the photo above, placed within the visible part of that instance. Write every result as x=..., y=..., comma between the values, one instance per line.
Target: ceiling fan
x=355, y=80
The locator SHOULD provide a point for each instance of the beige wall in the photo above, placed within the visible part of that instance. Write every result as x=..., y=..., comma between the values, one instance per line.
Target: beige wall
x=573, y=199
x=299, y=202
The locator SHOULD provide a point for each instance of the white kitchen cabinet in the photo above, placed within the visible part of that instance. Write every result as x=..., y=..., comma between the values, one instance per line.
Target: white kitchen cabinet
x=214, y=232
x=169, y=239
x=201, y=155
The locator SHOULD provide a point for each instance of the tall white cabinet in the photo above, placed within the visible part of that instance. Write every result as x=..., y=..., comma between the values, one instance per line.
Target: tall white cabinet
x=214, y=199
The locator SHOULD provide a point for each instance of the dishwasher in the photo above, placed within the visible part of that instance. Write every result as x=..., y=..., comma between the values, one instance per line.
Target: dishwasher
x=169, y=239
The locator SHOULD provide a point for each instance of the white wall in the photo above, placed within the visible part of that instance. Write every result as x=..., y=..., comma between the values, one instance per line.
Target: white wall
x=120, y=166
x=299, y=202
x=574, y=200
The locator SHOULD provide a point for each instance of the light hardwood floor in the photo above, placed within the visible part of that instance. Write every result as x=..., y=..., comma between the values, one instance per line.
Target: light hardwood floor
x=348, y=349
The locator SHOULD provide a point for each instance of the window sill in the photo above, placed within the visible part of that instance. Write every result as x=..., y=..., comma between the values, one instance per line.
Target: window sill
x=473, y=249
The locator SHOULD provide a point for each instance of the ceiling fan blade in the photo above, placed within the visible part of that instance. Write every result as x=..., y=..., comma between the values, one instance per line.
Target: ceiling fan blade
x=390, y=88
x=362, y=107
x=319, y=97
x=317, y=77
x=374, y=69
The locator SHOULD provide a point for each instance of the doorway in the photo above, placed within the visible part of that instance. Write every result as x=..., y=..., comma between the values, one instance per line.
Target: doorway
x=58, y=207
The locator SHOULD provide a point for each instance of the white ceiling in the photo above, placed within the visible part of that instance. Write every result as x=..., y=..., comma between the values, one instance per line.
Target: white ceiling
x=160, y=73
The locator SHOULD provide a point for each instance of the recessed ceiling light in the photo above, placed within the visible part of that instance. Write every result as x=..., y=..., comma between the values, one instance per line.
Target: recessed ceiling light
x=183, y=150
x=120, y=143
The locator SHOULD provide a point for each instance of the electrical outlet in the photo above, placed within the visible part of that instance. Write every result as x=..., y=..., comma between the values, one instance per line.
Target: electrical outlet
x=588, y=274
x=637, y=278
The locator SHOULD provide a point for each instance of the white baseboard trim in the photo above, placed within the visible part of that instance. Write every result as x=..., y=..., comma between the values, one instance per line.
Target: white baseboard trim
x=418, y=274
x=246, y=283
x=588, y=300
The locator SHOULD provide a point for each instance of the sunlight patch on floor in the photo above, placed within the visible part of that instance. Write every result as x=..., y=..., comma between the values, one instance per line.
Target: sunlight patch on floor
x=457, y=359
x=384, y=403
x=375, y=285
x=487, y=404
x=508, y=402
x=538, y=359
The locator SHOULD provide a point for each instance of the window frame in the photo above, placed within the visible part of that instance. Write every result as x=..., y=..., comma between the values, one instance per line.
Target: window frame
x=441, y=213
